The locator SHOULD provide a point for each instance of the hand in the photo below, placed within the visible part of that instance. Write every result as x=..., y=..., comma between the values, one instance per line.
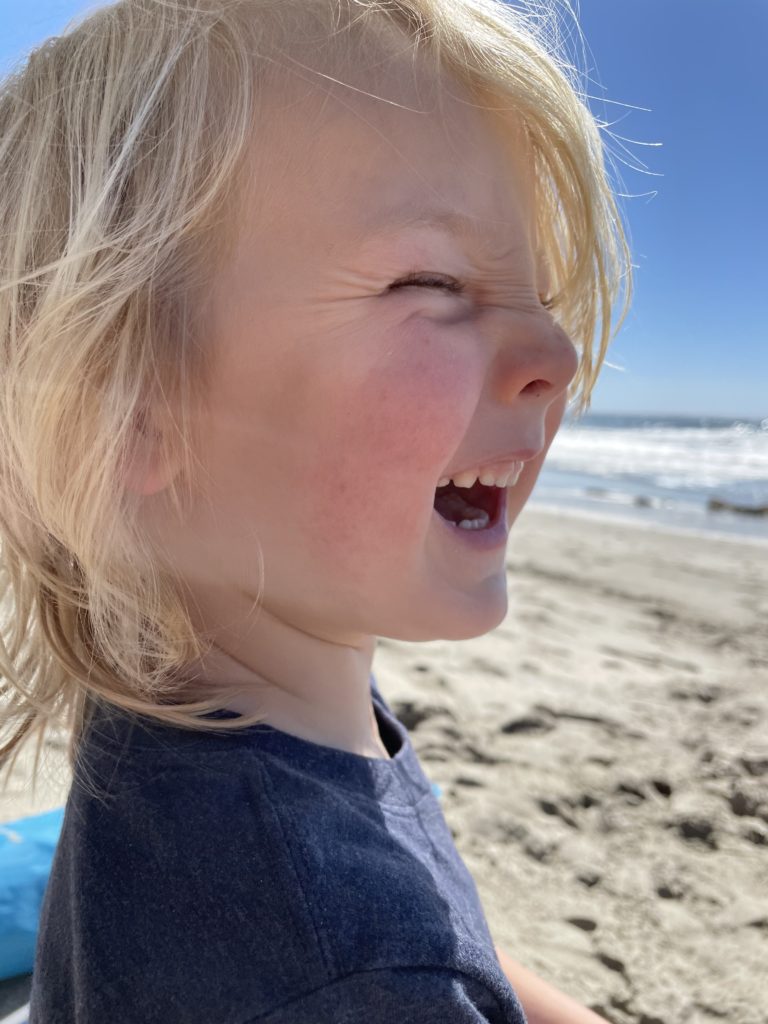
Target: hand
x=542, y=1002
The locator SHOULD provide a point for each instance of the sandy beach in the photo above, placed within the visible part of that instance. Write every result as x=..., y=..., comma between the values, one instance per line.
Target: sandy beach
x=604, y=760
x=603, y=756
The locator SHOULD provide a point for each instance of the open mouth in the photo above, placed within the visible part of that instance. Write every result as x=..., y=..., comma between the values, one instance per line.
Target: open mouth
x=470, y=508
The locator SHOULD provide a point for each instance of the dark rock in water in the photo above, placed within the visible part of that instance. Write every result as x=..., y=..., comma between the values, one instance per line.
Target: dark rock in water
x=642, y=502
x=717, y=505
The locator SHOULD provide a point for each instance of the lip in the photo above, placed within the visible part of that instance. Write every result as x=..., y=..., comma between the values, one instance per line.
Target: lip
x=490, y=539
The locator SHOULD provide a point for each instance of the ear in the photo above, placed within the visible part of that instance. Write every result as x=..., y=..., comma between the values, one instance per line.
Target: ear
x=146, y=472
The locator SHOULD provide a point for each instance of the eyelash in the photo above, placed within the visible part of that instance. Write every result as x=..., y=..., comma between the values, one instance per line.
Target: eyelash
x=446, y=284
x=430, y=281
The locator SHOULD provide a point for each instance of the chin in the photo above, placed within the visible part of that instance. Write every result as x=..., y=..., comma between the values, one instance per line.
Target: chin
x=468, y=618
x=468, y=629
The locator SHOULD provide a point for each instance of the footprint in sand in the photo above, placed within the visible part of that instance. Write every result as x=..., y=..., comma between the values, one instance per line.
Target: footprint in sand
x=531, y=723
x=696, y=828
x=755, y=763
x=540, y=850
x=630, y=794
x=705, y=694
x=748, y=798
x=757, y=834
x=662, y=787
x=491, y=668
x=468, y=780
x=413, y=712
x=586, y=924
x=672, y=889
x=589, y=879
x=555, y=808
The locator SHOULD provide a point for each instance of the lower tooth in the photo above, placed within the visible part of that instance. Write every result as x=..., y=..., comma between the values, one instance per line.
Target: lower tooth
x=474, y=524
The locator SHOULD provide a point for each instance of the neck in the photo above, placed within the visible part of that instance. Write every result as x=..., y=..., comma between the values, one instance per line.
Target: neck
x=307, y=685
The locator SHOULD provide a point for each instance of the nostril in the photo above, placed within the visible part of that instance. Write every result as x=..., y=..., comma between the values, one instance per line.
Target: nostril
x=536, y=387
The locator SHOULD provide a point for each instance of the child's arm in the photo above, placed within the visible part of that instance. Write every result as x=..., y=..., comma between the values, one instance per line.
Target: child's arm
x=543, y=1004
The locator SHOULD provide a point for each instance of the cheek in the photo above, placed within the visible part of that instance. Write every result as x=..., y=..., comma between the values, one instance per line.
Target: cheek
x=416, y=406
x=406, y=414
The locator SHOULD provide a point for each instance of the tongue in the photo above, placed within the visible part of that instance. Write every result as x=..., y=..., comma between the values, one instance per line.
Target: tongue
x=452, y=506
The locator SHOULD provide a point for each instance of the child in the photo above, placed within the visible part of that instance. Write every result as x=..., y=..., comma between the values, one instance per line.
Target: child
x=293, y=294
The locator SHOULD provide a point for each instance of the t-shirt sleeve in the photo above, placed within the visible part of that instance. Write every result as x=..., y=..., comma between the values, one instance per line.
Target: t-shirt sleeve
x=408, y=995
x=196, y=894
x=168, y=905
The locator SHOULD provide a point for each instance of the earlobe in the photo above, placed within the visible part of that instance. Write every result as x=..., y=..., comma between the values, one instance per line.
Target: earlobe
x=146, y=481
x=146, y=471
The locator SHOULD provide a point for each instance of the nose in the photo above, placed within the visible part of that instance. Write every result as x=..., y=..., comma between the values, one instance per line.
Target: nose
x=535, y=362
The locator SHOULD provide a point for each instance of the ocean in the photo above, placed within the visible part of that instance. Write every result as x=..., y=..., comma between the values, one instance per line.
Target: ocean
x=661, y=469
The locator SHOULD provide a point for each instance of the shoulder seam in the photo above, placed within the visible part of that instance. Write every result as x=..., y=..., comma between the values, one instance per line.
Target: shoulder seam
x=393, y=969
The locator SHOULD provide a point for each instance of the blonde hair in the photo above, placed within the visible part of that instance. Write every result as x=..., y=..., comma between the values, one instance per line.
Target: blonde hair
x=122, y=146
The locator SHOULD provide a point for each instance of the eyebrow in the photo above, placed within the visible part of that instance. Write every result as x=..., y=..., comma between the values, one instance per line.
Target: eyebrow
x=449, y=221
x=444, y=219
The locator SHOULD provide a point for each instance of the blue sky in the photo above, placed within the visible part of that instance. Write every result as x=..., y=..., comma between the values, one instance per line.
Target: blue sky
x=696, y=340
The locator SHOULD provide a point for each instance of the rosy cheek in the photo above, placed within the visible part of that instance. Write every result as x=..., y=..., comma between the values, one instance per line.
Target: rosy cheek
x=419, y=404
x=405, y=417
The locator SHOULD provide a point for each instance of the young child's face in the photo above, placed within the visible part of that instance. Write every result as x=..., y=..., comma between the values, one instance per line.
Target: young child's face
x=337, y=403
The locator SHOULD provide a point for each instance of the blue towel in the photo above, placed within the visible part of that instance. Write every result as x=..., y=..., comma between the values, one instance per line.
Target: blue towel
x=27, y=847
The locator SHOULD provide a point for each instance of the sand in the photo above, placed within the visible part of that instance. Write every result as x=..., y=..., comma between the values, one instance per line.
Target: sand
x=603, y=756
x=604, y=759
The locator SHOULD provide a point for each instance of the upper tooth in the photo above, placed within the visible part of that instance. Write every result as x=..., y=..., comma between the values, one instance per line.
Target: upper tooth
x=487, y=478
x=465, y=479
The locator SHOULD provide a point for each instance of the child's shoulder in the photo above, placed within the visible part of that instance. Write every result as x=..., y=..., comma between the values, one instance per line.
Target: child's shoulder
x=258, y=869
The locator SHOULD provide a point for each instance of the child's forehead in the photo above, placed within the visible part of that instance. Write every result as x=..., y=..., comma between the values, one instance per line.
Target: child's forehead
x=400, y=86
x=398, y=159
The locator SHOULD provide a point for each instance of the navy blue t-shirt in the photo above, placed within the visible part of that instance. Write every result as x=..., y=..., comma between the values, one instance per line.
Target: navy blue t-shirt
x=251, y=876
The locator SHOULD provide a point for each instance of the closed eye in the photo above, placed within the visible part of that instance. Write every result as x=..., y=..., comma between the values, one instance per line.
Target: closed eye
x=448, y=284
